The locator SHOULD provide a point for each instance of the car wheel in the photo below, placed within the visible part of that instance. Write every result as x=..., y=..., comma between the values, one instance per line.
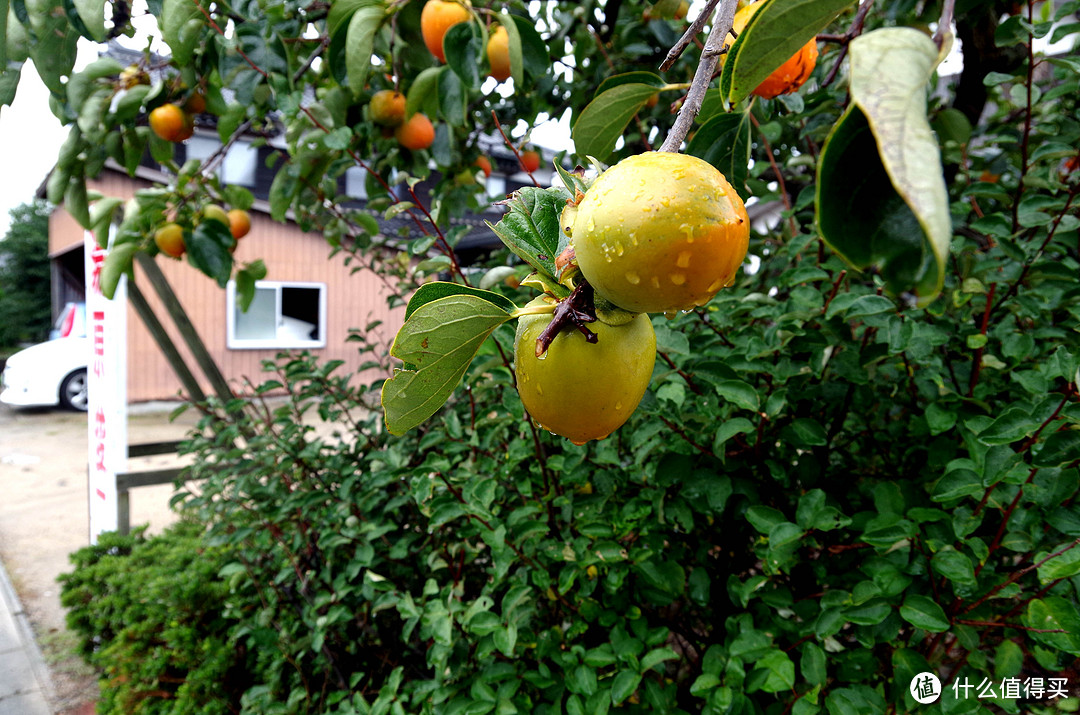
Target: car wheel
x=73, y=392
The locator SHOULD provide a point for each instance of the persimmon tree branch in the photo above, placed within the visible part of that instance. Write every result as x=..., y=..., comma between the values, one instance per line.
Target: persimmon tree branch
x=710, y=57
x=691, y=32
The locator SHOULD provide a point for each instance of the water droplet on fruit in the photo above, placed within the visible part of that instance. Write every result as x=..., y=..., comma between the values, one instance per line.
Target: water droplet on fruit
x=578, y=444
x=542, y=356
x=683, y=260
x=619, y=250
x=677, y=278
x=730, y=281
x=633, y=278
x=671, y=314
x=715, y=286
x=655, y=282
x=592, y=224
x=618, y=405
x=539, y=389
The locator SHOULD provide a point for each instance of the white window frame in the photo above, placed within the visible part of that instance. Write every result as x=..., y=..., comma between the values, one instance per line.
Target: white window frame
x=234, y=343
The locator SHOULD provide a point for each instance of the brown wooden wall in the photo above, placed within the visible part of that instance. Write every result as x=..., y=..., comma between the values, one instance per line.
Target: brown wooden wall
x=353, y=299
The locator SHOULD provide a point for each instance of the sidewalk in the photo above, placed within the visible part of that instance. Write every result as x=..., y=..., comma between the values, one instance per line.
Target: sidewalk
x=25, y=684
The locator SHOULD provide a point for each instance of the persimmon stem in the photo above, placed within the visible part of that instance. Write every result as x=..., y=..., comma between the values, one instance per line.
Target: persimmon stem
x=574, y=312
x=710, y=57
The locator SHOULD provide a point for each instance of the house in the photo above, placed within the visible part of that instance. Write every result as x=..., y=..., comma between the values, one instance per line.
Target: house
x=308, y=301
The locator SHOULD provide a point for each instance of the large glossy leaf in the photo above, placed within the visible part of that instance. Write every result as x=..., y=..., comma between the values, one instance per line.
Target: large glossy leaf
x=530, y=228
x=881, y=197
x=463, y=46
x=775, y=32
x=54, y=50
x=528, y=53
x=208, y=250
x=360, y=43
x=1057, y=623
x=3, y=34
x=724, y=142
x=436, y=290
x=91, y=15
x=423, y=95
x=341, y=11
x=452, y=98
x=436, y=343
x=175, y=16
x=602, y=122
x=9, y=83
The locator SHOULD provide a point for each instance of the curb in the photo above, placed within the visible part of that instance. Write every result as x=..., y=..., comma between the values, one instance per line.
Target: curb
x=26, y=634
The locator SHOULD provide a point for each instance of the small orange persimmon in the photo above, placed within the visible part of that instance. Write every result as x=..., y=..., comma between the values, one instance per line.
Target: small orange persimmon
x=239, y=223
x=172, y=123
x=484, y=164
x=530, y=161
x=416, y=133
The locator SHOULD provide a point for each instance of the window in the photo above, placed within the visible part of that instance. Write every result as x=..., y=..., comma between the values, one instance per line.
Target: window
x=281, y=315
x=239, y=164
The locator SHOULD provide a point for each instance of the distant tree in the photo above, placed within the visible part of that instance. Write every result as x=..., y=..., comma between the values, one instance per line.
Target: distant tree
x=25, y=311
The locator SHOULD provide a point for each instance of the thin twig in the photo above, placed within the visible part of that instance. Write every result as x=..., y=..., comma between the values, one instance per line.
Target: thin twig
x=517, y=154
x=710, y=57
x=691, y=32
x=944, y=23
x=854, y=31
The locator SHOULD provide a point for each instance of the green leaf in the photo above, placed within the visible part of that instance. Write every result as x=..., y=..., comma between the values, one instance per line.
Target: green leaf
x=1008, y=660
x=440, y=289
x=208, y=249
x=461, y=44
x=738, y=393
x=776, y=31
x=764, y=518
x=657, y=656
x=1054, y=614
x=809, y=432
x=530, y=228
x=604, y=119
x=1058, y=449
x=245, y=289
x=781, y=671
x=436, y=343
x=423, y=95
x=729, y=429
x=1064, y=565
x=91, y=13
x=3, y=39
x=535, y=58
x=360, y=43
x=624, y=685
x=1013, y=424
x=452, y=98
x=881, y=197
x=923, y=612
x=175, y=16
x=117, y=263
x=724, y=142
x=812, y=665
x=75, y=201
x=9, y=84
x=954, y=566
x=54, y=50
x=939, y=419
x=648, y=78
x=342, y=10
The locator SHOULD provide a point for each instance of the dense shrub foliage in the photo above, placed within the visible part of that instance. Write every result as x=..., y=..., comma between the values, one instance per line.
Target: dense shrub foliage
x=827, y=489
x=149, y=614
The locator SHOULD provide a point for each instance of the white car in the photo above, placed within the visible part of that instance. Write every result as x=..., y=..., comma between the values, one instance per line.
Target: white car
x=52, y=372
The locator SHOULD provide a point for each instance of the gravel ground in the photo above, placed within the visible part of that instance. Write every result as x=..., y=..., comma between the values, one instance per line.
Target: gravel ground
x=43, y=518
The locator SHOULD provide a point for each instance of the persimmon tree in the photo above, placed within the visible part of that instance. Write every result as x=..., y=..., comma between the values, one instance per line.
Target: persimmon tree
x=856, y=464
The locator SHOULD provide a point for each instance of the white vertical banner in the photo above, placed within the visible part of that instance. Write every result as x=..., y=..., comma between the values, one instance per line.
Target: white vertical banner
x=106, y=373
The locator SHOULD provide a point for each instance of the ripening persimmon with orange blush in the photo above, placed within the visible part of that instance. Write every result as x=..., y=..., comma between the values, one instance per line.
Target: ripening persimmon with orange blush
x=416, y=133
x=436, y=18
